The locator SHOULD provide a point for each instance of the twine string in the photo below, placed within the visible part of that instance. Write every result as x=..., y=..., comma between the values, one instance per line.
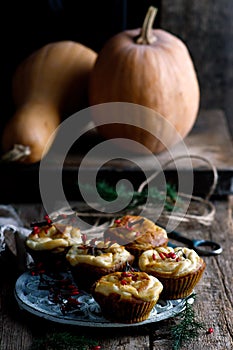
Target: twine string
x=208, y=208
x=213, y=168
x=205, y=219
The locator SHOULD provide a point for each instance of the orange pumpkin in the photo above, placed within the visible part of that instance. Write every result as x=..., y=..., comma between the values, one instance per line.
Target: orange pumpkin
x=152, y=68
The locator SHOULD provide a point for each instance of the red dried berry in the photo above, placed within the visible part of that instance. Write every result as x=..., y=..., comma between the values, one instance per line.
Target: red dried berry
x=71, y=286
x=84, y=238
x=210, y=330
x=48, y=220
x=75, y=292
x=36, y=229
x=172, y=255
x=39, y=264
x=162, y=255
x=153, y=256
x=65, y=280
x=126, y=274
x=123, y=282
x=73, y=301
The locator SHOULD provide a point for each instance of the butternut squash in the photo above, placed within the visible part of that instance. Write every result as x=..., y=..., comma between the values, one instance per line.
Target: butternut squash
x=47, y=86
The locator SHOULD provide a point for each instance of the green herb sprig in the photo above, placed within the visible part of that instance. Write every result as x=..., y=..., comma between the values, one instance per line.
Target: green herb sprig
x=187, y=327
x=63, y=341
x=109, y=193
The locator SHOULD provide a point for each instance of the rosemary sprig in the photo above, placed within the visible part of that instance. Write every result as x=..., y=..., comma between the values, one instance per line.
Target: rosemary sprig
x=109, y=193
x=187, y=328
x=63, y=341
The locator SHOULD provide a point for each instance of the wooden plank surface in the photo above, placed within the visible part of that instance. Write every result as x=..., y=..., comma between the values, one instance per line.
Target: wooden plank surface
x=209, y=138
x=213, y=304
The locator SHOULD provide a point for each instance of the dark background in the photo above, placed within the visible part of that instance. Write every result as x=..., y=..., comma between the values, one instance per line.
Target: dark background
x=34, y=23
x=205, y=26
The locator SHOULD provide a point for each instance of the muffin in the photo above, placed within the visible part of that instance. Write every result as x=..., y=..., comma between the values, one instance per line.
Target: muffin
x=137, y=234
x=49, y=244
x=93, y=259
x=178, y=269
x=127, y=297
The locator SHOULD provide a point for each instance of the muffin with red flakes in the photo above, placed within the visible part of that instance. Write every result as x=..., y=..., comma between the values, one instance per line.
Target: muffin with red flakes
x=93, y=259
x=178, y=269
x=128, y=296
x=48, y=244
x=137, y=234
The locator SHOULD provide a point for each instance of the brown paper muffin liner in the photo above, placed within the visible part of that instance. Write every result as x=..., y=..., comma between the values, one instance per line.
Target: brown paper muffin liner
x=180, y=287
x=51, y=260
x=86, y=275
x=119, y=310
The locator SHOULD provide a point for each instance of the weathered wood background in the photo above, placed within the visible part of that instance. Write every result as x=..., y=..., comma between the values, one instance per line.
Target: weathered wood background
x=207, y=29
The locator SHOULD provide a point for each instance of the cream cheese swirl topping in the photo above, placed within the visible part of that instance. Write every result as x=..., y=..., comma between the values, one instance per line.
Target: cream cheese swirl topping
x=99, y=254
x=137, y=230
x=53, y=236
x=169, y=262
x=138, y=285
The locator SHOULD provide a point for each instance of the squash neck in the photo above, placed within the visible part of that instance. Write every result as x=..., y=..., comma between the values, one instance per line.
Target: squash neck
x=146, y=36
x=39, y=110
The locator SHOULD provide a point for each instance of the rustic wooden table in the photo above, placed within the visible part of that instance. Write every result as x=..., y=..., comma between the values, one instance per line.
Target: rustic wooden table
x=213, y=303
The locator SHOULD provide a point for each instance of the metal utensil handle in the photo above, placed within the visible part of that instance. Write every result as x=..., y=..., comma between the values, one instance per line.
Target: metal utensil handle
x=215, y=248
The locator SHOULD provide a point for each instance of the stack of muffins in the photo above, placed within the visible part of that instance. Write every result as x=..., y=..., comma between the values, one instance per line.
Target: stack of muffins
x=127, y=270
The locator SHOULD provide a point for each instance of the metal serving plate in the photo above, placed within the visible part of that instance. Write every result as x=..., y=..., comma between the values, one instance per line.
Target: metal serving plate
x=34, y=299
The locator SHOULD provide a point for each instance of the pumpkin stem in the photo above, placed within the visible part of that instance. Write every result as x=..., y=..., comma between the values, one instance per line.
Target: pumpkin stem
x=16, y=153
x=146, y=36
